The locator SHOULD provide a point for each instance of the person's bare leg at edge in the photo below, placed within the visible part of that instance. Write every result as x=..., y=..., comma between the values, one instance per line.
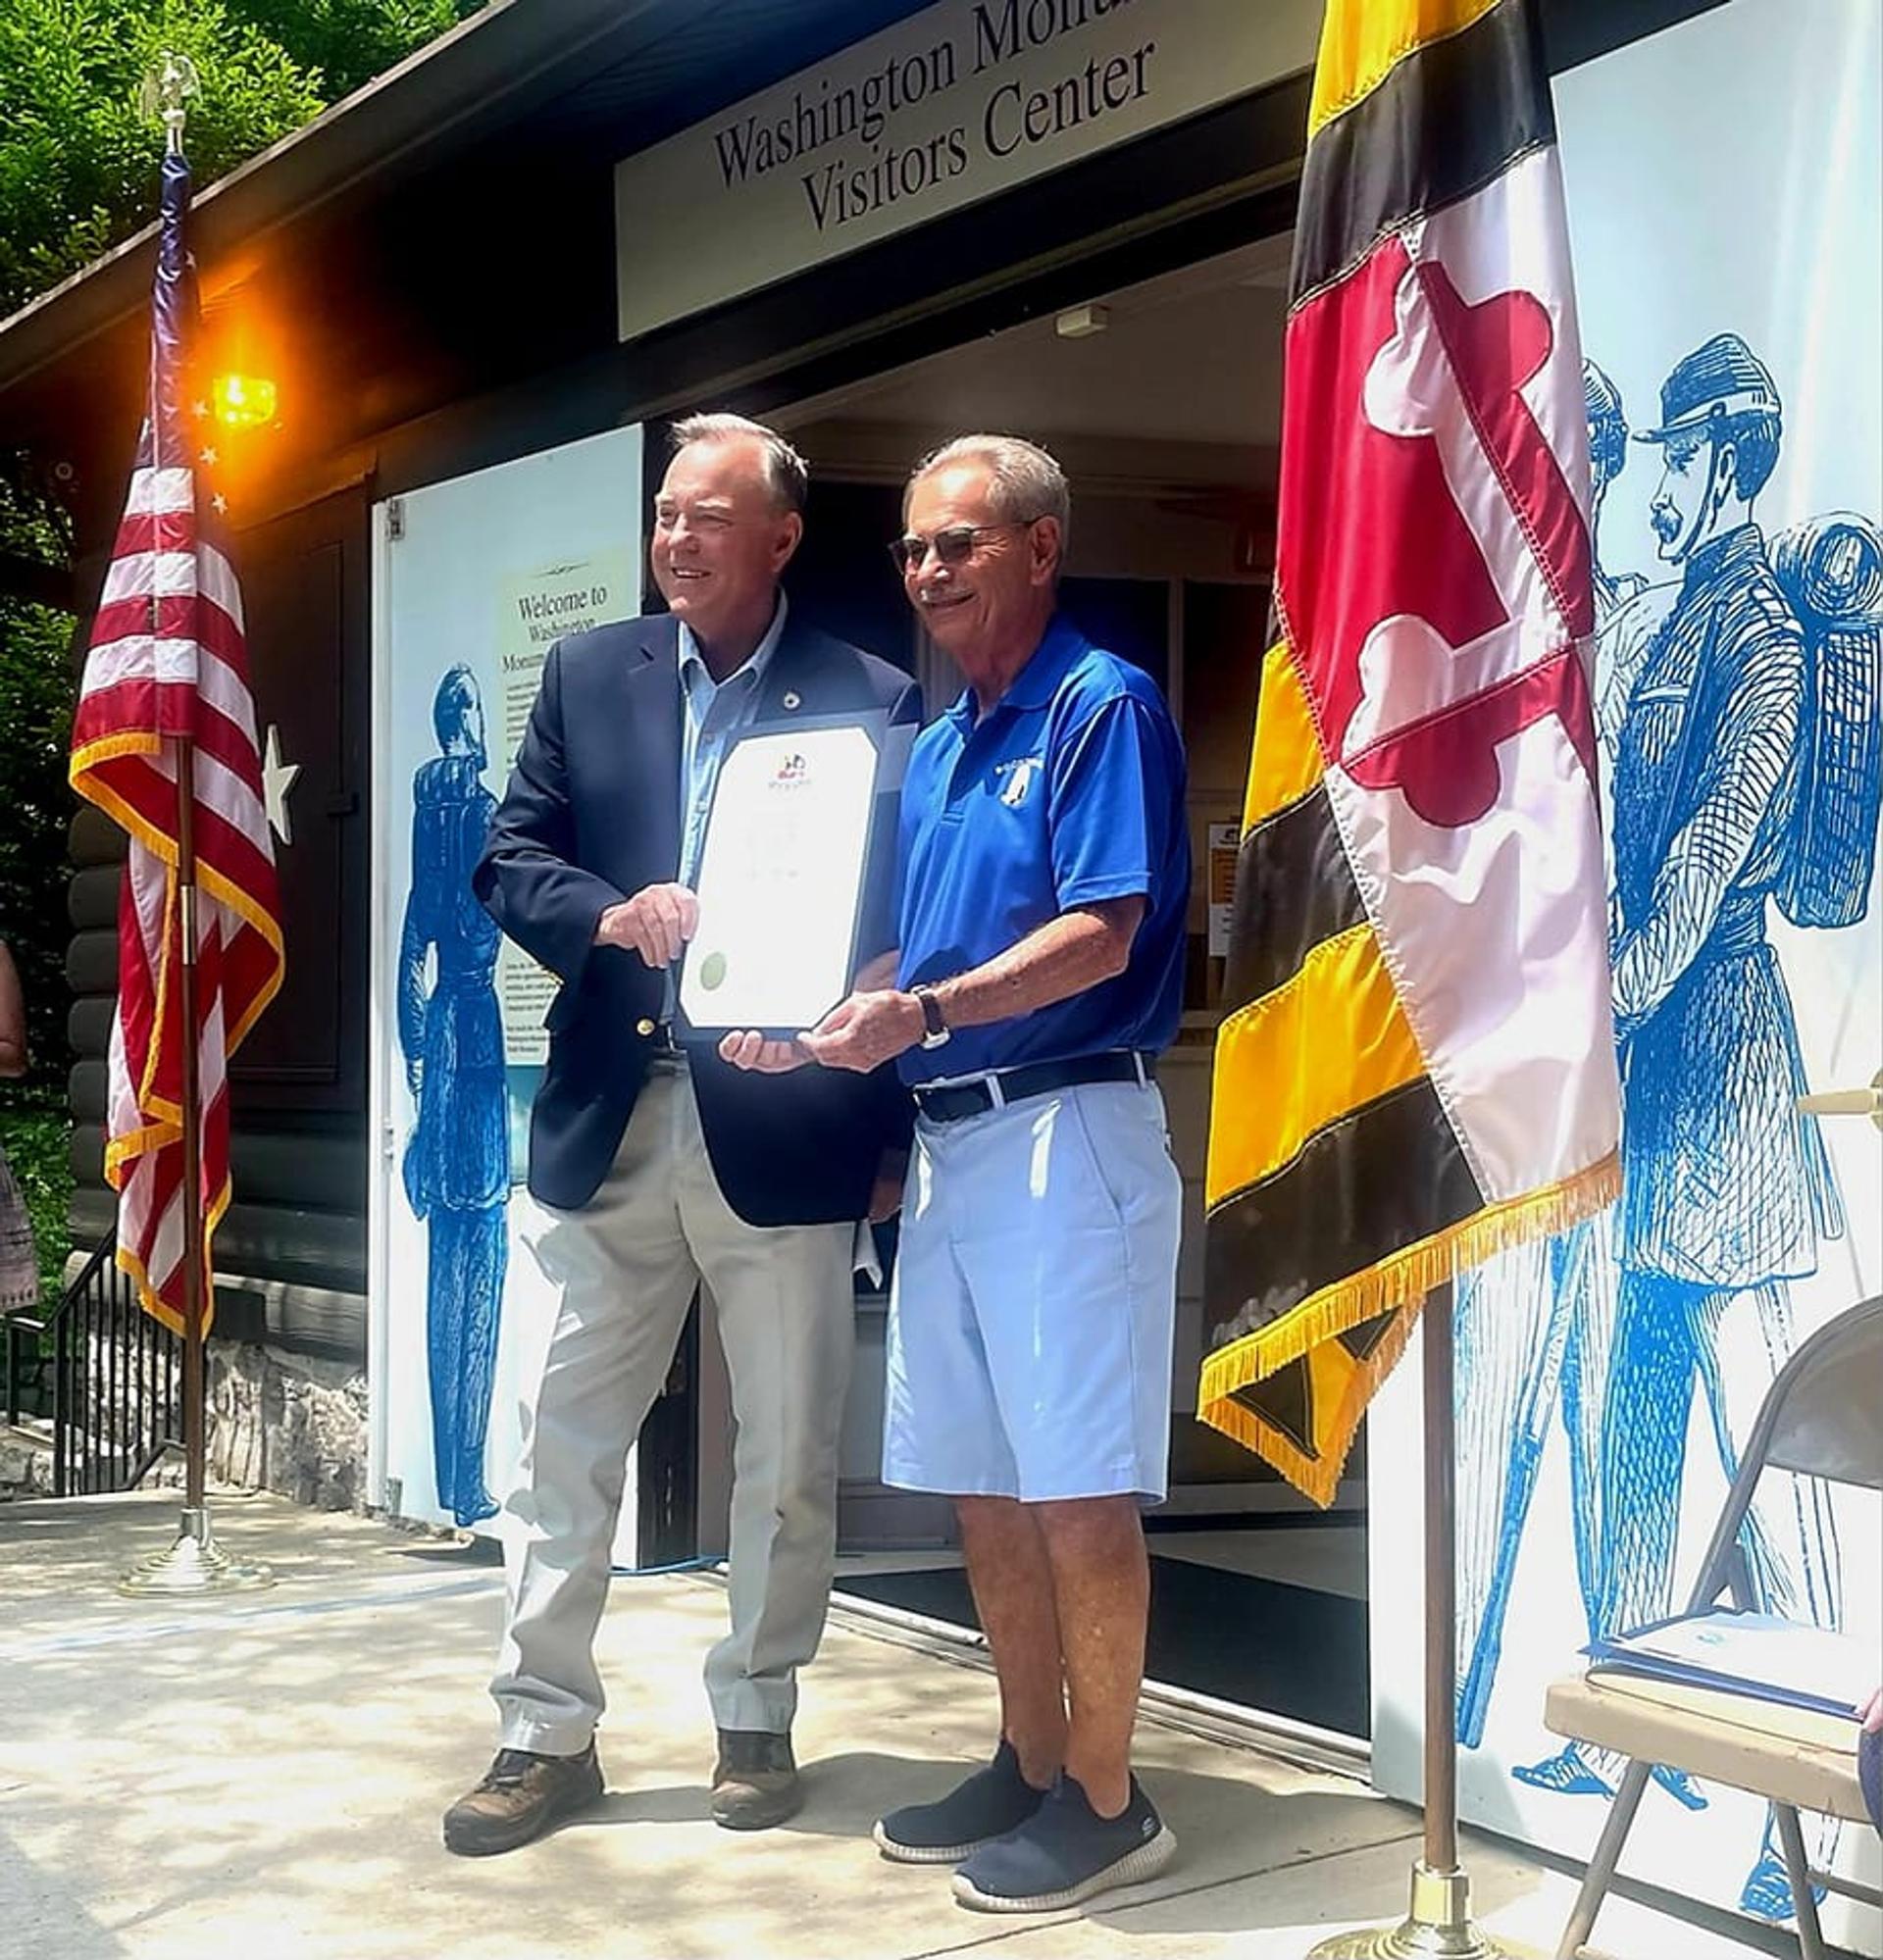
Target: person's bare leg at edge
x=1064, y=1591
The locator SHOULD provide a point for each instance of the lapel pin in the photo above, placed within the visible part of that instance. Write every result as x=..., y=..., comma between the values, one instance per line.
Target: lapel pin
x=793, y=699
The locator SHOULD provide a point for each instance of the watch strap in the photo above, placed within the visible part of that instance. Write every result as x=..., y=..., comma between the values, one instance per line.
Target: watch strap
x=934, y=1022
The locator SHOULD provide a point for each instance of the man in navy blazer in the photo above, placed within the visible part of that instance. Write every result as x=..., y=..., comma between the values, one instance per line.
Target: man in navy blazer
x=659, y=1166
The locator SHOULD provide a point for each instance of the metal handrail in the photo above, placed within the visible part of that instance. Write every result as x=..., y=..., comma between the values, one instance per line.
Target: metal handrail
x=30, y=1319
x=115, y=1380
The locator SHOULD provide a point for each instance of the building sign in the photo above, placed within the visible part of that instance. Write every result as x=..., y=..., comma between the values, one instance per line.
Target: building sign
x=957, y=102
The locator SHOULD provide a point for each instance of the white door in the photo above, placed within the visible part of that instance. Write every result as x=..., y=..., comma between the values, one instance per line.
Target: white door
x=473, y=581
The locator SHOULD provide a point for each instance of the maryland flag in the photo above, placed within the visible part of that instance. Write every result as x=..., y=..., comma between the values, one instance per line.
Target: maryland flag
x=168, y=665
x=1418, y=1067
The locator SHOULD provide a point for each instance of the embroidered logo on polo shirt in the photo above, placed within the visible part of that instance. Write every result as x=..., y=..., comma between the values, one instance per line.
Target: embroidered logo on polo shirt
x=1019, y=775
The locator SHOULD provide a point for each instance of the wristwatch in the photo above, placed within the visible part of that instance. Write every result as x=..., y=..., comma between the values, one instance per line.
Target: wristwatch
x=936, y=1030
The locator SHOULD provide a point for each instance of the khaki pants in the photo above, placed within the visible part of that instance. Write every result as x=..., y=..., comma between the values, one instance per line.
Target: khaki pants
x=626, y=1265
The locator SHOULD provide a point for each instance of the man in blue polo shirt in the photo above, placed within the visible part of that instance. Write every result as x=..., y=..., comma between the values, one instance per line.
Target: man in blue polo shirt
x=1045, y=875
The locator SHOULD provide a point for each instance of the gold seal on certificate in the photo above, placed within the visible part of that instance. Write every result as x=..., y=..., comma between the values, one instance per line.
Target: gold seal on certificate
x=780, y=878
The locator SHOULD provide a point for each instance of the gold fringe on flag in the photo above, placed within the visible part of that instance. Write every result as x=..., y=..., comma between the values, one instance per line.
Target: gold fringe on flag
x=1396, y=1286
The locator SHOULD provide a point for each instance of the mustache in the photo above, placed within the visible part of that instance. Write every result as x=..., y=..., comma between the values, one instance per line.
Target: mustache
x=1665, y=522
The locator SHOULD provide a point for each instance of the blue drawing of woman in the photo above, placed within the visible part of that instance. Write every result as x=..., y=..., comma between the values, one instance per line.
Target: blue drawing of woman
x=457, y=1163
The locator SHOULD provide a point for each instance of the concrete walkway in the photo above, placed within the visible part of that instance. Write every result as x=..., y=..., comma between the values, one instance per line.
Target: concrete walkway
x=263, y=1776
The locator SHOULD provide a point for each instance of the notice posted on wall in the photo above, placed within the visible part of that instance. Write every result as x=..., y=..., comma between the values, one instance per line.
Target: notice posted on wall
x=535, y=609
x=1222, y=842
x=538, y=608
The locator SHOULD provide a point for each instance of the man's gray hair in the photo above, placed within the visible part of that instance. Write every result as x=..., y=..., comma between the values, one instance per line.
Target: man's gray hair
x=1028, y=481
x=784, y=468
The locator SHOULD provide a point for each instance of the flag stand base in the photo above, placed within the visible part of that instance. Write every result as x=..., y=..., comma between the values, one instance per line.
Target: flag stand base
x=194, y=1563
x=1437, y=1926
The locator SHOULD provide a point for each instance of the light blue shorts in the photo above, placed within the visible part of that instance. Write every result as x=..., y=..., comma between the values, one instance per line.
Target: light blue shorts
x=1033, y=1310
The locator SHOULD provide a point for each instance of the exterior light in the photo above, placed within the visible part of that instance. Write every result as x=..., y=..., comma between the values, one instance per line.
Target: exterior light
x=243, y=401
x=1079, y=323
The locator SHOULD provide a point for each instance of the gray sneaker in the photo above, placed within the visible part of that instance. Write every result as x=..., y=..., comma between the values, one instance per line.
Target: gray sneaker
x=988, y=1804
x=522, y=1794
x=1066, y=1853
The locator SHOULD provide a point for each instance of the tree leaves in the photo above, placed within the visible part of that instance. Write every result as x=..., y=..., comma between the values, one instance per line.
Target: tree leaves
x=78, y=159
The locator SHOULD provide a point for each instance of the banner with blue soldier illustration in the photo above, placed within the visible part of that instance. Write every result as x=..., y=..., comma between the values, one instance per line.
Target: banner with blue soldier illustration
x=1732, y=309
x=476, y=577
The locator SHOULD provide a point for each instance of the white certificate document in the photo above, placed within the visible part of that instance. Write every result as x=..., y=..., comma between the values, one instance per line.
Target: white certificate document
x=781, y=880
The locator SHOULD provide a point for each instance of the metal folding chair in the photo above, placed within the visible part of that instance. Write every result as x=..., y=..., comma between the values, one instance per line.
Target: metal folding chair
x=1823, y=1417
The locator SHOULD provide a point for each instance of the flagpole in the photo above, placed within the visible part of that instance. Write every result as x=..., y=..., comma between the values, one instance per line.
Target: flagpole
x=1437, y=1925
x=193, y=1562
x=1438, y=1380
x=195, y=1266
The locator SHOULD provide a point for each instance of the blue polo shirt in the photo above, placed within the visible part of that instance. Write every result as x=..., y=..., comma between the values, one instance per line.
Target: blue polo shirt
x=1070, y=790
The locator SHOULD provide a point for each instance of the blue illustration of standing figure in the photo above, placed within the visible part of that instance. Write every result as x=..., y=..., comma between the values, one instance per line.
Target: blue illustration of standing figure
x=1727, y=777
x=1535, y=1325
x=457, y=1163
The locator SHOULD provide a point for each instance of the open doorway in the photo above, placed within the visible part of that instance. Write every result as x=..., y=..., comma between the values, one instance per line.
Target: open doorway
x=1162, y=401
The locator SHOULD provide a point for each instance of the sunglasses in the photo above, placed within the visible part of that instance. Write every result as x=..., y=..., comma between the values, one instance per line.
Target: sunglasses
x=951, y=546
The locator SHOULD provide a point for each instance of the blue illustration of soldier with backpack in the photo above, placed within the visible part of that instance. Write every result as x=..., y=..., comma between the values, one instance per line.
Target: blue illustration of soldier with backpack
x=1747, y=773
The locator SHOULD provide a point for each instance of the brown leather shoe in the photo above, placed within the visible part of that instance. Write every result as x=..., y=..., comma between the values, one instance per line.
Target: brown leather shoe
x=755, y=1783
x=521, y=1797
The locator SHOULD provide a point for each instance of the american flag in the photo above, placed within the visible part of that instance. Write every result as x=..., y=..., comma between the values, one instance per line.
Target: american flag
x=167, y=663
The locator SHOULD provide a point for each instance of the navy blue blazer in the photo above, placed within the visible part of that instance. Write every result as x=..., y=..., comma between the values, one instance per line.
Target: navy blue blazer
x=591, y=815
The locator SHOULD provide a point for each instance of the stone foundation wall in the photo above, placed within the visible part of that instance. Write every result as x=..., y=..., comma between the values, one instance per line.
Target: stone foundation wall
x=277, y=1421
x=287, y=1423
x=26, y=1466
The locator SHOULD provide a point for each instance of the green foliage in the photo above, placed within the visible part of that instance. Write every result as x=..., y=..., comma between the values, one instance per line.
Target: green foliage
x=78, y=159
x=34, y=1138
x=37, y=687
x=348, y=42
x=35, y=806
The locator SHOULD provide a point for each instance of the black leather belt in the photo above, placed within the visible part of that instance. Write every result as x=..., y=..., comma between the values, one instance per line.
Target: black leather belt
x=954, y=1100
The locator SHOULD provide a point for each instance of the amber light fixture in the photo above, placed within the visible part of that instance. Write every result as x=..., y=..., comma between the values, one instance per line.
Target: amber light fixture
x=244, y=401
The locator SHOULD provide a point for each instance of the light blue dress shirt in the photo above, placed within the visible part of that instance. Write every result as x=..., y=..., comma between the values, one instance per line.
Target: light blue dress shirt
x=712, y=713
